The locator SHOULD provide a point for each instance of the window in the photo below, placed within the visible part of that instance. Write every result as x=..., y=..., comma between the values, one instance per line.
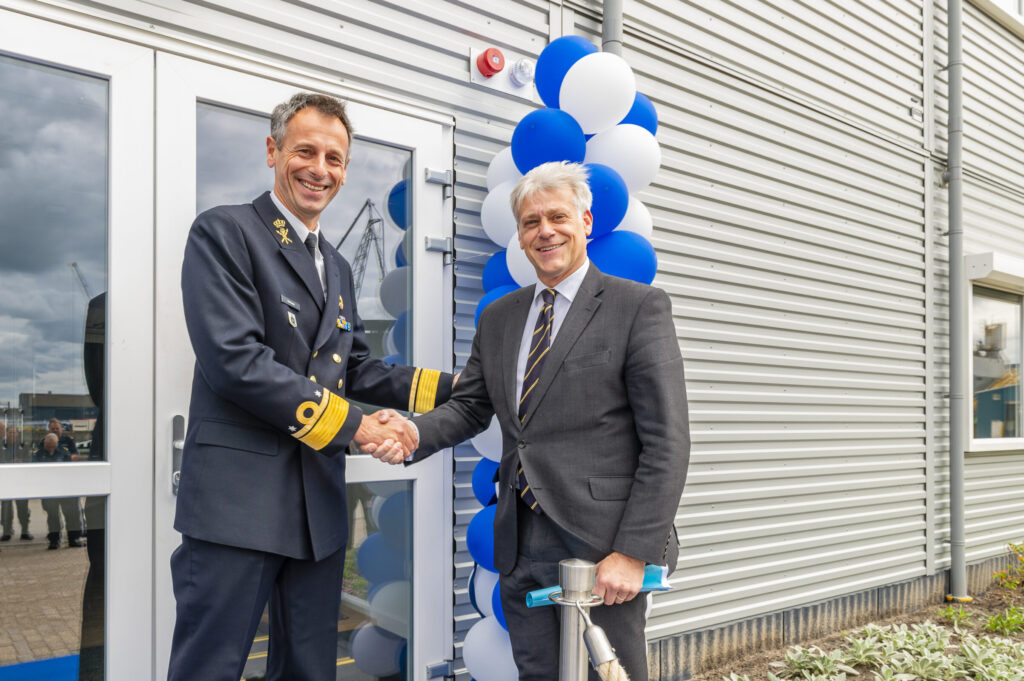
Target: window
x=996, y=345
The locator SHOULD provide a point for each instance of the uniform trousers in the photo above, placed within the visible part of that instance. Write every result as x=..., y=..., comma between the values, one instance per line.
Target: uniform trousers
x=535, y=632
x=221, y=592
x=71, y=507
x=7, y=515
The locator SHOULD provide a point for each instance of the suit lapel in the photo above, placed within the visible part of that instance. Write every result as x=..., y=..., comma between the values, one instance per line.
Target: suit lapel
x=330, y=315
x=582, y=310
x=295, y=253
x=511, y=341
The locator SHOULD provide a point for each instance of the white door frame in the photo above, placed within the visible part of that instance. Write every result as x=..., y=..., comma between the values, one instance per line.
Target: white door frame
x=180, y=83
x=126, y=477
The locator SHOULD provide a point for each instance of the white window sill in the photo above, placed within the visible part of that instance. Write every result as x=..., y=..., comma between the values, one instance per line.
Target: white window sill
x=990, y=445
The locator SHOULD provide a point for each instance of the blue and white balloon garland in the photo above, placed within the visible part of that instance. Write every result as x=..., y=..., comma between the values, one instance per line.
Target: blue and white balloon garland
x=594, y=116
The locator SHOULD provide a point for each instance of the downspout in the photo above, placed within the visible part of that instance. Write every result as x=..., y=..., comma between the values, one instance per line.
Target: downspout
x=611, y=27
x=958, y=416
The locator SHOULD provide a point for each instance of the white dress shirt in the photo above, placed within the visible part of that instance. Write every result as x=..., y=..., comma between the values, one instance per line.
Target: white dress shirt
x=301, y=231
x=565, y=291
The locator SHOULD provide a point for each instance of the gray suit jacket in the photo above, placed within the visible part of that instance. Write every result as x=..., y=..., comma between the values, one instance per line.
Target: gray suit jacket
x=605, y=443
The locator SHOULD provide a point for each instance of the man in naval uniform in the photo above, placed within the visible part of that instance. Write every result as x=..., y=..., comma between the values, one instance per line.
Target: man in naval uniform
x=280, y=350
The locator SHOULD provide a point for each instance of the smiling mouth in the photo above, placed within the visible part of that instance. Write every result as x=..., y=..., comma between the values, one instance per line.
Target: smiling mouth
x=313, y=187
x=548, y=249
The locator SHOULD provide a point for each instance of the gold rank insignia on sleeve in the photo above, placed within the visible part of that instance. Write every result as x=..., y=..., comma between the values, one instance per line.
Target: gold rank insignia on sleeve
x=282, y=230
x=321, y=421
x=423, y=394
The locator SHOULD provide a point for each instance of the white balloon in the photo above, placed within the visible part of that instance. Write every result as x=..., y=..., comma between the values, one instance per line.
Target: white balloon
x=519, y=266
x=487, y=652
x=502, y=169
x=390, y=606
x=598, y=91
x=375, y=503
x=488, y=443
x=637, y=219
x=629, y=150
x=496, y=214
x=376, y=652
x=388, y=341
x=484, y=582
x=394, y=291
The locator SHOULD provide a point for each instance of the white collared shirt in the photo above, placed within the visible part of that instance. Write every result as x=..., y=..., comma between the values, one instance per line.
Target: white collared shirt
x=565, y=292
x=301, y=231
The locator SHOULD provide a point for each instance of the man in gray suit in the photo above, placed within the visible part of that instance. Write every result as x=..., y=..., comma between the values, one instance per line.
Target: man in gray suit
x=584, y=373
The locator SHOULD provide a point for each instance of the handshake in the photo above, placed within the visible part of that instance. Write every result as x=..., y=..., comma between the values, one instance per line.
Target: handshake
x=388, y=436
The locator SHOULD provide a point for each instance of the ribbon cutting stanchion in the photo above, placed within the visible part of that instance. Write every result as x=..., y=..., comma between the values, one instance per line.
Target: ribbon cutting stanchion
x=580, y=636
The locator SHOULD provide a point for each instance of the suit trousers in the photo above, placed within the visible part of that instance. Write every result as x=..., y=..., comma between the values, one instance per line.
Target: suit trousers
x=221, y=592
x=535, y=632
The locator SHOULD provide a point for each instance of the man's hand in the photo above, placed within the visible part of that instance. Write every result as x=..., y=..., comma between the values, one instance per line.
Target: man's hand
x=387, y=435
x=619, y=578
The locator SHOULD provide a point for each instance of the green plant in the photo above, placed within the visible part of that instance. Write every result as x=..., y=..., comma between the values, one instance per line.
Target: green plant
x=885, y=673
x=865, y=651
x=810, y=663
x=1008, y=622
x=956, y=615
x=1013, y=576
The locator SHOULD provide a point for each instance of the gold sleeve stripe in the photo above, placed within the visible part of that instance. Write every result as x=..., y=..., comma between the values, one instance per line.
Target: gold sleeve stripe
x=426, y=394
x=330, y=423
x=412, y=391
x=308, y=414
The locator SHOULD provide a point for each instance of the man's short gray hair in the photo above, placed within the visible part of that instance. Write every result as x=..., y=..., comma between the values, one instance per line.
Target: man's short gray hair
x=553, y=176
x=325, y=104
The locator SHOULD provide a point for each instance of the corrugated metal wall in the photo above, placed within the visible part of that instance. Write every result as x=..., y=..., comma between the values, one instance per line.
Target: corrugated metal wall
x=800, y=163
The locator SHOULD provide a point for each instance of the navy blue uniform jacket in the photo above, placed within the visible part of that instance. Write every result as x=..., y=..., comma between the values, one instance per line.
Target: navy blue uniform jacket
x=269, y=420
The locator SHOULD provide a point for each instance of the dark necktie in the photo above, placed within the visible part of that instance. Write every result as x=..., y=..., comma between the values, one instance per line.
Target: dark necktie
x=311, y=245
x=540, y=343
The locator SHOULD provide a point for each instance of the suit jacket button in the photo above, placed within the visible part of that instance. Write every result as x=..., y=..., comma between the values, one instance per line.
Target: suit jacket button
x=340, y=382
x=314, y=355
x=337, y=358
x=521, y=444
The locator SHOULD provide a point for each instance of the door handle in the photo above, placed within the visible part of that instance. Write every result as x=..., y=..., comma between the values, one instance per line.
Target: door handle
x=177, y=447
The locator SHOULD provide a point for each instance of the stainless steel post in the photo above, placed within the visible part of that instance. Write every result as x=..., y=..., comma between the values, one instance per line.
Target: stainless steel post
x=576, y=578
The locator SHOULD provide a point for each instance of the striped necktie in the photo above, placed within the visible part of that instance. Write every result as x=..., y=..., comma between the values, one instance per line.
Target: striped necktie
x=540, y=343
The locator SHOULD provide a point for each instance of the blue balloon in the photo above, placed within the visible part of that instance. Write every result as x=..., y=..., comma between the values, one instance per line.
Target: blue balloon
x=394, y=519
x=398, y=205
x=401, y=334
x=496, y=605
x=380, y=561
x=489, y=298
x=611, y=199
x=642, y=114
x=554, y=62
x=547, y=135
x=480, y=537
x=400, y=258
x=496, y=272
x=624, y=254
x=483, y=481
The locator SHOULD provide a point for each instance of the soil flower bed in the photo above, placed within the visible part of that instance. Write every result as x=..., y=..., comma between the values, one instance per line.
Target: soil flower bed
x=982, y=640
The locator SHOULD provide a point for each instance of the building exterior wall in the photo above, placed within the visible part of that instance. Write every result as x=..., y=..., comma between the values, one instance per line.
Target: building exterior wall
x=799, y=222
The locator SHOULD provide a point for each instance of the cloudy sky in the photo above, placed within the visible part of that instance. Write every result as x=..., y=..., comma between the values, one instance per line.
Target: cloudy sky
x=53, y=187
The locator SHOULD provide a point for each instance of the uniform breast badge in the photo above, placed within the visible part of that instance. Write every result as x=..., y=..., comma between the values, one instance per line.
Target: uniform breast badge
x=291, y=319
x=282, y=231
x=344, y=324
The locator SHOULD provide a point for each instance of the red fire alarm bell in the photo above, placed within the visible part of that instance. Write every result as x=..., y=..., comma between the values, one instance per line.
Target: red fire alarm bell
x=490, y=62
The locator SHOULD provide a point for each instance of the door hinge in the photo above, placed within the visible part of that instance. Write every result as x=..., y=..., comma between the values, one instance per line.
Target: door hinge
x=444, y=670
x=441, y=177
x=440, y=244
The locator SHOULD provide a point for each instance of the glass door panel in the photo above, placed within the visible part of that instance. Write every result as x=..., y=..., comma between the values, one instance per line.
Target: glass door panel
x=394, y=573
x=66, y=186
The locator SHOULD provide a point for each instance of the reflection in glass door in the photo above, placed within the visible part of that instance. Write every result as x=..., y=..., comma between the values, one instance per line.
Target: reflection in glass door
x=368, y=222
x=53, y=189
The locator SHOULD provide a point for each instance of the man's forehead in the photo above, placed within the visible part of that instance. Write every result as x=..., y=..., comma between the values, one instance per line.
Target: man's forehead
x=548, y=200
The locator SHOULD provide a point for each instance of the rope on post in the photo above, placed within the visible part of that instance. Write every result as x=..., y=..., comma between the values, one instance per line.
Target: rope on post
x=612, y=671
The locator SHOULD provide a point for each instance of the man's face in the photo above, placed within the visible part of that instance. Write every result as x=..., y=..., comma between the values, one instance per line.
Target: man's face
x=553, y=234
x=56, y=428
x=309, y=168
